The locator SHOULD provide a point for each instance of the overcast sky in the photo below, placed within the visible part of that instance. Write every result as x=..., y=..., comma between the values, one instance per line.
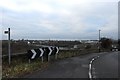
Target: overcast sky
x=59, y=19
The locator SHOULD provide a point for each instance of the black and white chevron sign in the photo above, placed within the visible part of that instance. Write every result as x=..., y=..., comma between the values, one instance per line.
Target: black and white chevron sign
x=35, y=53
x=42, y=52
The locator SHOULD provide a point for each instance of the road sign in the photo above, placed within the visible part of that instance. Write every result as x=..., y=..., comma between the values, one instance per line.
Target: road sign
x=34, y=54
x=57, y=50
x=9, y=51
x=50, y=50
x=42, y=52
x=6, y=32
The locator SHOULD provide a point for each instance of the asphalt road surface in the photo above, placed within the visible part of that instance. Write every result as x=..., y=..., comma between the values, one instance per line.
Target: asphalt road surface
x=0, y=63
x=95, y=65
x=106, y=66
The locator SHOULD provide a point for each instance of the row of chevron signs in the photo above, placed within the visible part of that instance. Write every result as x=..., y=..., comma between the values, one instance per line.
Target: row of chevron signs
x=42, y=52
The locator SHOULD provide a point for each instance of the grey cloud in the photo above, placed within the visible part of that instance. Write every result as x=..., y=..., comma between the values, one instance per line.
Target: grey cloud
x=66, y=22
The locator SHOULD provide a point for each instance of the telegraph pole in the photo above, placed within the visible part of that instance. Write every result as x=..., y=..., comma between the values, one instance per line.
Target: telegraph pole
x=99, y=40
x=9, y=52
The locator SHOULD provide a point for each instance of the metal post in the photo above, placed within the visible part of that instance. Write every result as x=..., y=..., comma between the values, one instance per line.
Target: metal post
x=55, y=56
x=29, y=61
x=48, y=58
x=9, y=52
x=9, y=46
x=42, y=59
x=99, y=40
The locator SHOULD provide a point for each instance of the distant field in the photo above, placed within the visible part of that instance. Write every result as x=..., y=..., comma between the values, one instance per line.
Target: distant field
x=16, y=47
x=22, y=46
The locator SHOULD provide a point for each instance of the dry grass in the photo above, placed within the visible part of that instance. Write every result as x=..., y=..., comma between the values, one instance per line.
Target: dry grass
x=20, y=66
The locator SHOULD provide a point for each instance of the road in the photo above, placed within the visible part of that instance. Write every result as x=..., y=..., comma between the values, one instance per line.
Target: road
x=0, y=62
x=95, y=65
x=106, y=66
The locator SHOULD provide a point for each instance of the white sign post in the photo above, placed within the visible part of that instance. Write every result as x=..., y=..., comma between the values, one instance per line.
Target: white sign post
x=9, y=52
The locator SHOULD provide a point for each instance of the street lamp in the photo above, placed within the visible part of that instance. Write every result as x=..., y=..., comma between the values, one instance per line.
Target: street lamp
x=99, y=40
x=9, y=54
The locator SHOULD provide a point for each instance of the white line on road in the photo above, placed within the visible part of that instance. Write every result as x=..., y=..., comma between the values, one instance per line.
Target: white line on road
x=90, y=68
x=90, y=75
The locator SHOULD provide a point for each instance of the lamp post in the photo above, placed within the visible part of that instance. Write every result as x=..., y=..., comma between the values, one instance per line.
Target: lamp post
x=99, y=40
x=9, y=52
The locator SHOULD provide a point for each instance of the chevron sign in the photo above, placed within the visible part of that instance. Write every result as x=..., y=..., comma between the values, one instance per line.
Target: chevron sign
x=42, y=52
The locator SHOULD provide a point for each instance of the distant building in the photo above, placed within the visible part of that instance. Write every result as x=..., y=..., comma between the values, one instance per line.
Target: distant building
x=89, y=41
x=75, y=46
x=28, y=42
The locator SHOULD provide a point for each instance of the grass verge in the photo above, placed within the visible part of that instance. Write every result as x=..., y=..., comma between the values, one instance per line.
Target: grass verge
x=20, y=66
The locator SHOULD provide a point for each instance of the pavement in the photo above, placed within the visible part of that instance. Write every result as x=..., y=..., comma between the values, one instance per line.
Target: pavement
x=104, y=66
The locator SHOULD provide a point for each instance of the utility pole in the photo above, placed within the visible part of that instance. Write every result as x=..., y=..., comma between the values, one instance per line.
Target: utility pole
x=99, y=40
x=9, y=52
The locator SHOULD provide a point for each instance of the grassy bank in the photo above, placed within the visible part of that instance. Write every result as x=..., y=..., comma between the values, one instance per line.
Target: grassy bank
x=20, y=66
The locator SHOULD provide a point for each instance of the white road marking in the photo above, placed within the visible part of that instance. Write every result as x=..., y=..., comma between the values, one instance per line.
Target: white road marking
x=90, y=76
x=90, y=68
